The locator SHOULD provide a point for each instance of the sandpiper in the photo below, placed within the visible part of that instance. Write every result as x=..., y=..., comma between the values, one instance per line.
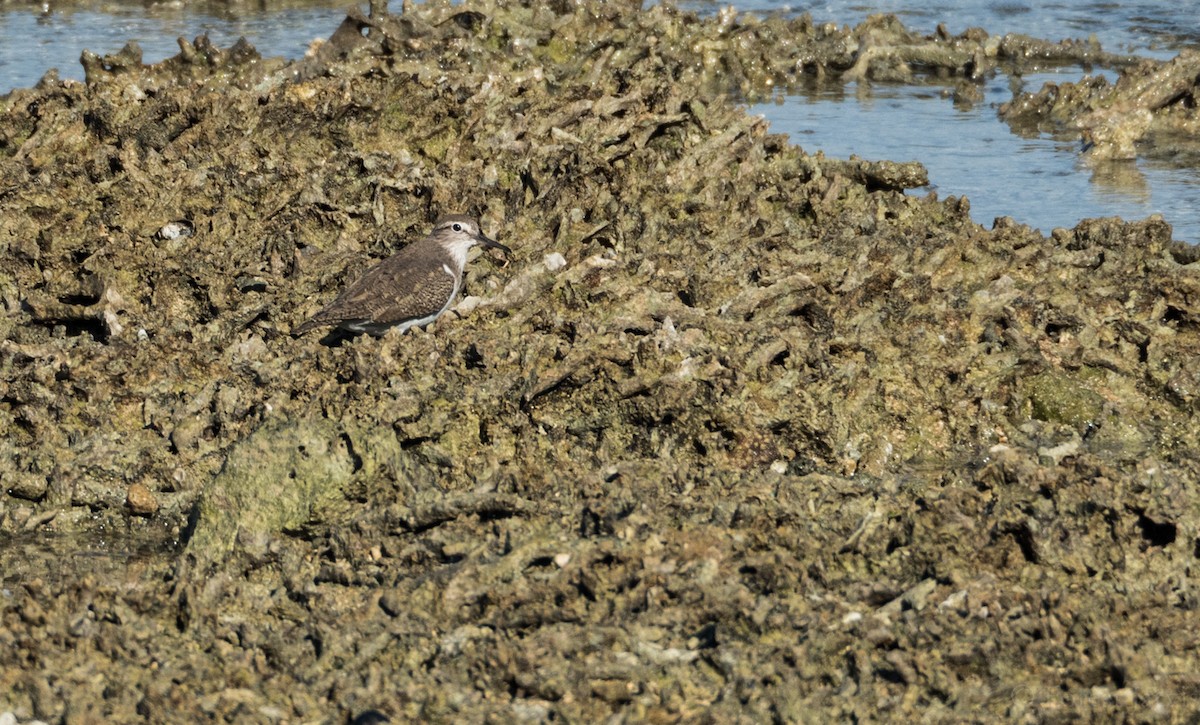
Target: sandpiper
x=410, y=288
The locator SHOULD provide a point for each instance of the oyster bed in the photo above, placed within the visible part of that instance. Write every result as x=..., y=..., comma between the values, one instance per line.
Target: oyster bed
x=739, y=432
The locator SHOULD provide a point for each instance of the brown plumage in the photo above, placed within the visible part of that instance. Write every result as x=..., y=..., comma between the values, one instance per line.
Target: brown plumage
x=412, y=287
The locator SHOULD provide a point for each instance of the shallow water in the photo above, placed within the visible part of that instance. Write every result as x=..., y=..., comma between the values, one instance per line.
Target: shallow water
x=110, y=556
x=969, y=152
x=35, y=39
x=1157, y=29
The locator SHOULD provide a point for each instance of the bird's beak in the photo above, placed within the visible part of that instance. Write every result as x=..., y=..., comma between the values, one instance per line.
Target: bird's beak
x=485, y=241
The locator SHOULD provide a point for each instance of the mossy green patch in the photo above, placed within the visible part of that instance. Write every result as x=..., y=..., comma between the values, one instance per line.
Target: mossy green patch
x=1060, y=397
x=271, y=482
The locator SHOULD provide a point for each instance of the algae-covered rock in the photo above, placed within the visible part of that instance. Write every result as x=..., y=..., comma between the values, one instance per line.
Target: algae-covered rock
x=272, y=481
x=1061, y=398
x=1147, y=108
x=738, y=433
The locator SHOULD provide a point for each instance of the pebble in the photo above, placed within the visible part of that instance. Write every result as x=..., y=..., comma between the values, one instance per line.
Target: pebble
x=179, y=229
x=140, y=500
x=392, y=602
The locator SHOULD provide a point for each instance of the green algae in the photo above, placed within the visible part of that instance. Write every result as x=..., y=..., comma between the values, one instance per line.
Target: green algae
x=272, y=481
x=1062, y=398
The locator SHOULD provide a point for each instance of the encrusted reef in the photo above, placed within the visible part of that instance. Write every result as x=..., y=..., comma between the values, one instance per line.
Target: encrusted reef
x=739, y=433
x=1149, y=110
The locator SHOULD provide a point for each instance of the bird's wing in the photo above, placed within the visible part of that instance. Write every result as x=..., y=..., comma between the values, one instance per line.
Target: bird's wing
x=390, y=292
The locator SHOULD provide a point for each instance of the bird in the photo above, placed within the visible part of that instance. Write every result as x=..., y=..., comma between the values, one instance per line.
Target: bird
x=409, y=289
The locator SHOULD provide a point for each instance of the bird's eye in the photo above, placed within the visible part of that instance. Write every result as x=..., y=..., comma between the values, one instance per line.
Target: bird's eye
x=457, y=227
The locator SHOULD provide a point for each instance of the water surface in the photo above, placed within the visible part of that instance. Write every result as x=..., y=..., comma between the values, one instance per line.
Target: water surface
x=35, y=38
x=969, y=152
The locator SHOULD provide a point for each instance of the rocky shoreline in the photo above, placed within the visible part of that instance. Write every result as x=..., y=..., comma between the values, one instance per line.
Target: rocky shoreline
x=739, y=433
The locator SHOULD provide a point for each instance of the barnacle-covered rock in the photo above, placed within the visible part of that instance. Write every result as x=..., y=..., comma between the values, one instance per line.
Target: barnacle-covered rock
x=738, y=433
